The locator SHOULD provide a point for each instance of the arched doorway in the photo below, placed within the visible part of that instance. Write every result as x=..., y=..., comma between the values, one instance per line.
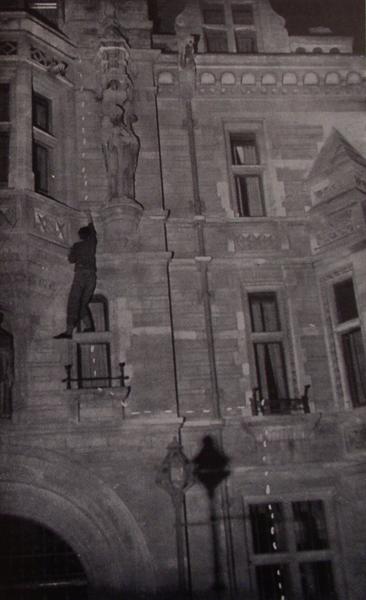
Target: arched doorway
x=50, y=489
x=36, y=564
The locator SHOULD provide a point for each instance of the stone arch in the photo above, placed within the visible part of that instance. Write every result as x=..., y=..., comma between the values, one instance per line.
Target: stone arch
x=353, y=77
x=269, y=79
x=207, y=78
x=332, y=78
x=228, y=78
x=248, y=79
x=311, y=78
x=58, y=493
x=289, y=79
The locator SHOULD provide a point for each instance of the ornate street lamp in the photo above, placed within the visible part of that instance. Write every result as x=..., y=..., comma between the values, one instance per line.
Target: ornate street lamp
x=175, y=476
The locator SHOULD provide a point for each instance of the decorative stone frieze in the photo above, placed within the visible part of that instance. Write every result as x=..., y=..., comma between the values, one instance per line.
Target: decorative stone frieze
x=261, y=81
x=50, y=226
x=8, y=48
x=8, y=217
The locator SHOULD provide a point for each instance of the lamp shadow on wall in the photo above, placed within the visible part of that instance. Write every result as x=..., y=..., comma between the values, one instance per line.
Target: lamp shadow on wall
x=211, y=468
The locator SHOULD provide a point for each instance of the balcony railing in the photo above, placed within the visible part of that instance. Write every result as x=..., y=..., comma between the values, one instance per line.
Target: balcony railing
x=101, y=382
x=280, y=406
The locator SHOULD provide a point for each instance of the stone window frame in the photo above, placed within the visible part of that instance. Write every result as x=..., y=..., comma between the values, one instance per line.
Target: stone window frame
x=286, y=337
x=231, y=29
x=256, y=128
x=292, y=556
x=334, y=331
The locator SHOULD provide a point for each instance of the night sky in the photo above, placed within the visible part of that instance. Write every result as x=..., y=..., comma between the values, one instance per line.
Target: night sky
x=343, y=17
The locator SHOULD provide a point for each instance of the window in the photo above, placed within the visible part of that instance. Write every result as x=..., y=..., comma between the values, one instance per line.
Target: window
x=269, y=356
x=93, y=356
x=43, y=144
x=242, y=14
x=4, y=159
x=41, y=112
x=247, y=174
x=349, y=334
x=289, y=534
x=310, y=526
x=213, y=15
x=244, y=149
x=45, y=9
x=94, y=365
x=245, y=42
x=229, y=27
x=98, y=307
x=216, y=41
x=41, y=168
x=268, y=528
x=345, y=300
x=4, y=102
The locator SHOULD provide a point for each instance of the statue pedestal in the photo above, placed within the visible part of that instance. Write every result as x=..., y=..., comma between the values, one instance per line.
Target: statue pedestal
x=121, y=219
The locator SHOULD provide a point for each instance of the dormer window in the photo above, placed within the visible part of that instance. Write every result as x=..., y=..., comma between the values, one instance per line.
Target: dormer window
x=229, y=27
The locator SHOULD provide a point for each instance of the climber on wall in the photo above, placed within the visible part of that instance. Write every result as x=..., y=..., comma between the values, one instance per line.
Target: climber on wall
x=82, y=254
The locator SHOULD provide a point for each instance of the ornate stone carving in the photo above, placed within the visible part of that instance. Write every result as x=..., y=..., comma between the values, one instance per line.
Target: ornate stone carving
x=355, y=438
x=335, y=227
x=120, y=144
x=8, y=217
x=49, y=226
x=8, y=48
x=256, y=241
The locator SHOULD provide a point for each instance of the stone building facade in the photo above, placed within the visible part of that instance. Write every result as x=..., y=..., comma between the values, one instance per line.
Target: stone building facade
x=209, y=437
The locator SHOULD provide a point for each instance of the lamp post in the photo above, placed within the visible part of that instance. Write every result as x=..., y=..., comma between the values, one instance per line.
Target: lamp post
x=175, y=476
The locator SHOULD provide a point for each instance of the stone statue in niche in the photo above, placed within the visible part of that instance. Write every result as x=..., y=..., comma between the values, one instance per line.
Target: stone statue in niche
x=187, y=52
x=120, y=143
x=6, y=370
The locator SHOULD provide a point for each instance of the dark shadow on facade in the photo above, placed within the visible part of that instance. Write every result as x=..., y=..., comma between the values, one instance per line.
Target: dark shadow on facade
x=211, y=468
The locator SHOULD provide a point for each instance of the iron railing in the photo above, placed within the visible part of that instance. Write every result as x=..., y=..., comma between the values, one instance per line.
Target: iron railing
x=104, y=381
x=279, y=406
